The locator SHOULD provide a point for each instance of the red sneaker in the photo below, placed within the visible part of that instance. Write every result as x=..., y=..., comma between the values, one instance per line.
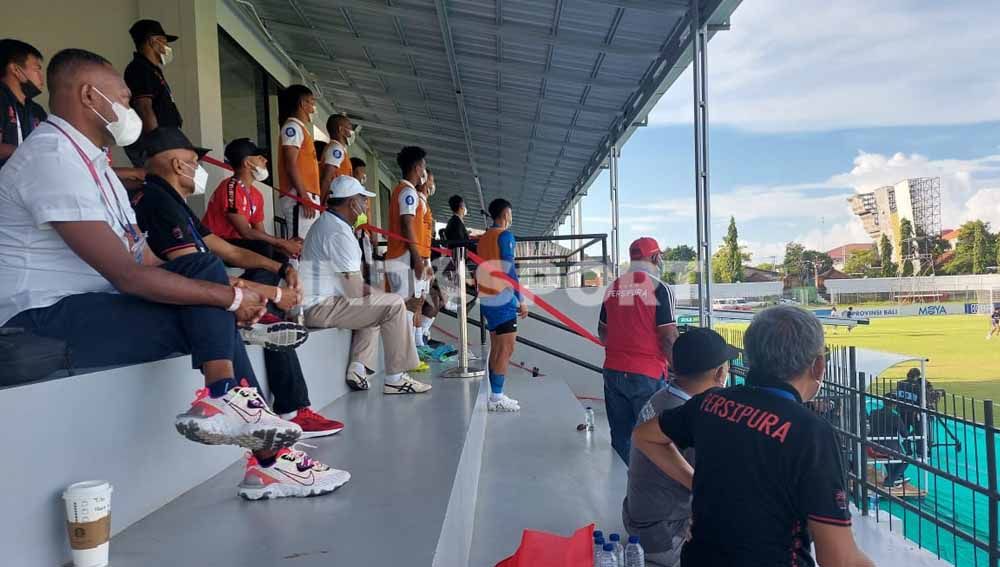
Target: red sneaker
x=269, y=319
x=315, y=425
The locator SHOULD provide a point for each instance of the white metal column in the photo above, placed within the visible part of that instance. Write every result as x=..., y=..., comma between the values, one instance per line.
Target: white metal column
x=613, y=178
x=699, y=31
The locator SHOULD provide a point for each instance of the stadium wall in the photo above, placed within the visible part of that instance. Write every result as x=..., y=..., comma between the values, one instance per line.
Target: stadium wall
x=924, y=284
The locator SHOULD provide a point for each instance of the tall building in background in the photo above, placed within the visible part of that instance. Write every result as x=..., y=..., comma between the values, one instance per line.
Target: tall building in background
x=917, y=200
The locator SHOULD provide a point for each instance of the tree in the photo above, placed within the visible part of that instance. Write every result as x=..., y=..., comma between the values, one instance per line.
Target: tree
x=885, y=255
x=793, y=257
x=864, y=263
x=907, y=269
x=734, y=256
x=680, y=253
x=906, y=240
x=974, y=251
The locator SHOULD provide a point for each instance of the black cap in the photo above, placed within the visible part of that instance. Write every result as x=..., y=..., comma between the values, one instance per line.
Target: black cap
x=143, y=29
x=169, y=138
x=240, y=149
x=700, y=349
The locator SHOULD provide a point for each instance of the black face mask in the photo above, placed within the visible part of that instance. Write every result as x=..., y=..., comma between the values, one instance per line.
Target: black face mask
x=29, y=89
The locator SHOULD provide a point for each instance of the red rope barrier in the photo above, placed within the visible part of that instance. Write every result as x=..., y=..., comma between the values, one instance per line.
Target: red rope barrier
x=544, y=305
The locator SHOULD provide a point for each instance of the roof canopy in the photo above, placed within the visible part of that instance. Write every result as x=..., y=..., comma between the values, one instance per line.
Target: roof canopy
x=528, y=95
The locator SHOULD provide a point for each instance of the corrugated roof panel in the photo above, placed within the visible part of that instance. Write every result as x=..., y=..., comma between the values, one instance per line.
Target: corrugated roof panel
x=538, y=113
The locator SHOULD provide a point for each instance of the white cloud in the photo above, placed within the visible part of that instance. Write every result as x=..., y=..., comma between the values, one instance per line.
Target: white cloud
x=796, y=65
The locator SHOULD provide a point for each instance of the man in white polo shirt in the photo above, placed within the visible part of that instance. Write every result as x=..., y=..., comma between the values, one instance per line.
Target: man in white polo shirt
x=336, y=295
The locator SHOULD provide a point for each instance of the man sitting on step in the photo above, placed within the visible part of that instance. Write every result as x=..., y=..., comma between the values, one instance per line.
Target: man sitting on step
x=336, y=295
x=174, y=231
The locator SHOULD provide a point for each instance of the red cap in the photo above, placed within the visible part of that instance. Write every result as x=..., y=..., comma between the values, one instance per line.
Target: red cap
x=643, y=248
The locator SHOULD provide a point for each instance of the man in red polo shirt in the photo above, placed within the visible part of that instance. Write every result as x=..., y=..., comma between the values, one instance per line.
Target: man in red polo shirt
x=638, y=328
x=236, y=210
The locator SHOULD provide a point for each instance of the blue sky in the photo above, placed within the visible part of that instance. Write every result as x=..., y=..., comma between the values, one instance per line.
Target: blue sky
x=810, y=102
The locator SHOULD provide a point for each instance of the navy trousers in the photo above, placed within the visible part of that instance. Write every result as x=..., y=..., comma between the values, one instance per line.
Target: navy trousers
x=108, y=329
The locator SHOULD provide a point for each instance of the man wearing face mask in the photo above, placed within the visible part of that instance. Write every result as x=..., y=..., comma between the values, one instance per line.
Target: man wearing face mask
x=770, y=480
x=21, y=80
x=336, y=295
x=62, y=211
x=151, y=95
x=406, y=266
x=638, y=328
x=235, y=212
x=335, y=161
x=173, y=173
x=298, y=170
x=174, y=231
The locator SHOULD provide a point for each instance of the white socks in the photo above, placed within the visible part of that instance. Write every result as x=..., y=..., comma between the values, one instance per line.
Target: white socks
x=289, y=416
x=394, y=378
x=358, y=369
x=418, y=336
x=425, y=326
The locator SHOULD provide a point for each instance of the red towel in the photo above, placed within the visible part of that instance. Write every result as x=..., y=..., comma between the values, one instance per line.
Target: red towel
x=542, y=549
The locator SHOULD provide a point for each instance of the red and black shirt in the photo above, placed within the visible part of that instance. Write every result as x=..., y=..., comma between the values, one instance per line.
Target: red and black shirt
x=634, y=307
x=766, y=465
x=17, y=120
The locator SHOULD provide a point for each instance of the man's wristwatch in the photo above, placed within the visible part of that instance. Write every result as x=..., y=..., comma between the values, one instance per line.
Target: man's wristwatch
x=283, y=269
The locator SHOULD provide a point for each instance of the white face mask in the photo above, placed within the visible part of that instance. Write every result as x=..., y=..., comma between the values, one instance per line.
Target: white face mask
x=423, y=178
x=200, y=179
x=431, y=190
x=167, y=56
x=126, y=127
x=350, y=138
x=260, y=173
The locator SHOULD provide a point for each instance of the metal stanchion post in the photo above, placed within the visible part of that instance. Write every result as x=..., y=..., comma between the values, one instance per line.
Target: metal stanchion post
x=464, y=369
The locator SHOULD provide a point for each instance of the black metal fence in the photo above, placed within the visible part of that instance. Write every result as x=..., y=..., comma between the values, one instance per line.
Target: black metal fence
x=918, y=459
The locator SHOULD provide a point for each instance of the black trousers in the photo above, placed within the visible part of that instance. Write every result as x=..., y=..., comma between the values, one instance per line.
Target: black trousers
x=284, y=373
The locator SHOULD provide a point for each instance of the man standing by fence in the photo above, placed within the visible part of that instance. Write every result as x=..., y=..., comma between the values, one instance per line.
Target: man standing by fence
x=638, y=328
x=770, y=478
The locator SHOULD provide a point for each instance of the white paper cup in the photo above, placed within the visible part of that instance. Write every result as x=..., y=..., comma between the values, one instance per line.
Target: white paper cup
x=88, y=522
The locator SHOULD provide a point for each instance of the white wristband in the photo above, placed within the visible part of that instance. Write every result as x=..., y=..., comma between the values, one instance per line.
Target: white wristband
x=237, y=299
x=277, y=294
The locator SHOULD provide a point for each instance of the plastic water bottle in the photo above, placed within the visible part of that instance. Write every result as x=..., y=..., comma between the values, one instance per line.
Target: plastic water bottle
x=598, y=548
x=634, y=554
x=590, y=419
x=607, y=557
x=615, y=541
x=872, y=501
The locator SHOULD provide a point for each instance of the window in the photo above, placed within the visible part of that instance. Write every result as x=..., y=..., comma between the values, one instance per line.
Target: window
x=246, y=89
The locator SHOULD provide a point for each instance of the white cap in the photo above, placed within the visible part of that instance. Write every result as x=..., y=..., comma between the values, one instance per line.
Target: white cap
x=347, y=186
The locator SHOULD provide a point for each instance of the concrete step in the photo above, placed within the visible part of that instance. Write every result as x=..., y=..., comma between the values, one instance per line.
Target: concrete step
x=414, y=462
x=540, y=473
x=117, y=425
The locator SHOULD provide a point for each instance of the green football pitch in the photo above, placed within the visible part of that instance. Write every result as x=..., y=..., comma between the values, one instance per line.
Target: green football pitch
x=961, y=359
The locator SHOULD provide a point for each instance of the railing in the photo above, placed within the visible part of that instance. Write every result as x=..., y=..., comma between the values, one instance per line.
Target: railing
x=554, y=265
x=949, y=503
x=558, y=266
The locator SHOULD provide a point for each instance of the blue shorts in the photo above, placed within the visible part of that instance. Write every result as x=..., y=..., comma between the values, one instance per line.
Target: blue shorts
x=497, y=316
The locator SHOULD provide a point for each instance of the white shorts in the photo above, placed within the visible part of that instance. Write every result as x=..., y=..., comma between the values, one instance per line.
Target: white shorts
x=402, y=281
x=292, y=211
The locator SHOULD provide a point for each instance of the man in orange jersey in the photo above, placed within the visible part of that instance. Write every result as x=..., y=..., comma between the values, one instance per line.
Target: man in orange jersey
x=407, y=262
x=500, y=303
x=298, y=172
x=335, y=161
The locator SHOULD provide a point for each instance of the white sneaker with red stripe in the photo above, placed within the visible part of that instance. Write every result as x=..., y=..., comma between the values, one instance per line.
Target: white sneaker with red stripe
x=293, y=474
x=240, y=417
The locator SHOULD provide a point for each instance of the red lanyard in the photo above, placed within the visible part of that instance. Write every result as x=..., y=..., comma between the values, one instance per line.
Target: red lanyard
x=121, y=217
